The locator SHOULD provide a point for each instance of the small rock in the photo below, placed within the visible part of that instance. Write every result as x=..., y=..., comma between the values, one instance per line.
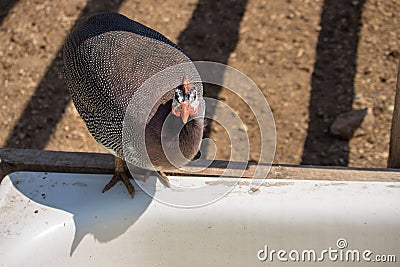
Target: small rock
x=367, y=125
x=355, y=122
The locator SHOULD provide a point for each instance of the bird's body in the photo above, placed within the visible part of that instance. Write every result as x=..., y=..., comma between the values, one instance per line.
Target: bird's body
x=107, y=59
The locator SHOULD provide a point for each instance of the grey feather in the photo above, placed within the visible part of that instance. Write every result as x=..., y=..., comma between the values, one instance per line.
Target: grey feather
x=107, y=58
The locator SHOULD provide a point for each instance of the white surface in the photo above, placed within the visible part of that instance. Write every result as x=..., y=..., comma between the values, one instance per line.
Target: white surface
x=65, y=220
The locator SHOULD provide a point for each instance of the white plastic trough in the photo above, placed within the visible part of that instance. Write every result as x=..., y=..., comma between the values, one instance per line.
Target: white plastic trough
x=50, y=219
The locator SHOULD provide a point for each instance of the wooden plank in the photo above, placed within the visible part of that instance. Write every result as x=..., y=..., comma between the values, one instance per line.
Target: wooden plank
x=12, y=160
x=394, y=150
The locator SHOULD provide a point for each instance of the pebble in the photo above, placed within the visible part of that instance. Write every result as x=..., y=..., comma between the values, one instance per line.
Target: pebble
x=346, y=124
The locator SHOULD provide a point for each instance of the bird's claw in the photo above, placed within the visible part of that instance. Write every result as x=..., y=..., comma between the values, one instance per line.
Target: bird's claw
x=164, y=179
x=120, y=174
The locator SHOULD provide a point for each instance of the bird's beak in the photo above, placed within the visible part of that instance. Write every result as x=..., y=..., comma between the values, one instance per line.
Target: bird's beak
x=185, y=112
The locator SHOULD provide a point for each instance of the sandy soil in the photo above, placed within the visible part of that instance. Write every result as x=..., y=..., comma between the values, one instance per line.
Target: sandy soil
x=312, y=60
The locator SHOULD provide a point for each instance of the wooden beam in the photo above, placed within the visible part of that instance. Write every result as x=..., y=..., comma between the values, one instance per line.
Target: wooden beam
x=12, y=160
x=394, y=150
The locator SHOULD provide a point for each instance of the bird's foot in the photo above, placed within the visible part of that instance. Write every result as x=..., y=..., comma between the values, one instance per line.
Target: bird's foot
x=120, y=174
x=164, y=179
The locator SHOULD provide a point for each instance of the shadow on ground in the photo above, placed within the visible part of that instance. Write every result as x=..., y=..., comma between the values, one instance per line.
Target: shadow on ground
x=51, y=97
x=332, y=84
x=212, y=35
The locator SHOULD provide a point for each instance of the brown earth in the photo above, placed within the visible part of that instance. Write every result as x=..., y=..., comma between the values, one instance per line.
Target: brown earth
x=312, y=60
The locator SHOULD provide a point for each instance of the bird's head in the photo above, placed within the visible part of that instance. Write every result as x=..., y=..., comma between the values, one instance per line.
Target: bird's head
x=186, y=101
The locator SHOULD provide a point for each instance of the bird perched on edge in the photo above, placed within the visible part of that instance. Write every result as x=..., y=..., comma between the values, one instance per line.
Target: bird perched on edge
x=107, y=60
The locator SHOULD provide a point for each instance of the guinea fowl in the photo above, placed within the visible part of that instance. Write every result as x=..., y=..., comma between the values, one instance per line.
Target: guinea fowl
x=108, y=61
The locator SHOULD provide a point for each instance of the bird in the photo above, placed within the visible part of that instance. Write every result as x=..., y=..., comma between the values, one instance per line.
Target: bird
x=108, y=61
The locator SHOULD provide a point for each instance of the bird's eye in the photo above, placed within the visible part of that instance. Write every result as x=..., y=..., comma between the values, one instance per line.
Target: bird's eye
x=194, y=102
x=192, y=95
x=178, y=95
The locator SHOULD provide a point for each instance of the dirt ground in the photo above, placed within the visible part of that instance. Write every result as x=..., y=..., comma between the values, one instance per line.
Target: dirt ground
x=312, y=60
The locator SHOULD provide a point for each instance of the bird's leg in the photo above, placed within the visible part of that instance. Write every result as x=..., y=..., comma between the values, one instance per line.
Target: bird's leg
x=120, y=174
x=164, y=178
